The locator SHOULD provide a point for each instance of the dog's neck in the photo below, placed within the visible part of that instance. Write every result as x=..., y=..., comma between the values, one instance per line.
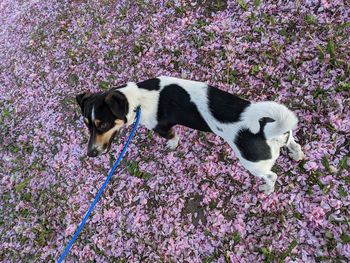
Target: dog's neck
x=132, y=94
x=146, y=99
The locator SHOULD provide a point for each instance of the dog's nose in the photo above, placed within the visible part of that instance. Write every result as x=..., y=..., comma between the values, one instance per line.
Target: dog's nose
x=92, y=153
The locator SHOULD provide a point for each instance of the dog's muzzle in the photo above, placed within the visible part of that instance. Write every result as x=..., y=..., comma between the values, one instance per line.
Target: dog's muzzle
x=93, y=153
x=96, y=150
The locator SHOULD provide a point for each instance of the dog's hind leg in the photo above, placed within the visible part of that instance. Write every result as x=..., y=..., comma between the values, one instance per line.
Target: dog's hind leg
x=270, y=179
x=173, y=142
x=169, y=133
x=295, y=149
x=262, y=169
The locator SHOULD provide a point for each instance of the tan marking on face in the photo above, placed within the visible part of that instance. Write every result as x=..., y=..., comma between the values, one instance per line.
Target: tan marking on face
x=97, y=122
x=104, y=138
x=86, y=120
x=119, y=122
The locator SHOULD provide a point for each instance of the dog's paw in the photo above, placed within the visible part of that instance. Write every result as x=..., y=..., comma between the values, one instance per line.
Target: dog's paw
x=295, y=152
x=266, y=188
x=272, y=177
x=173, y=143
x=297, y=155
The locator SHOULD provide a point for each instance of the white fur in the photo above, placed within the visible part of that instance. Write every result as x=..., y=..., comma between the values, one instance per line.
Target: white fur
x=295, y=149
x=93, y=114
x=148, y=100
x=173, y=143
x=285, y=120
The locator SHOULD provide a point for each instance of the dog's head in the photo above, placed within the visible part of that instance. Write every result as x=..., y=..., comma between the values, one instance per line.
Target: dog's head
x=104, y=114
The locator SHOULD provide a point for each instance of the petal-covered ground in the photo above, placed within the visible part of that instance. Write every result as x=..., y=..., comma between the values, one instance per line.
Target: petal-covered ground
x=195, y=204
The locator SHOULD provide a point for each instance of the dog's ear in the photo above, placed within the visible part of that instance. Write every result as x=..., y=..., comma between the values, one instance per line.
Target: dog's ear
x=117, y=103
x=81, y=98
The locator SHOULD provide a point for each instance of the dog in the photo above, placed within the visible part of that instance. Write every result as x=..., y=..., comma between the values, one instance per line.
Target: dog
x=255, y=130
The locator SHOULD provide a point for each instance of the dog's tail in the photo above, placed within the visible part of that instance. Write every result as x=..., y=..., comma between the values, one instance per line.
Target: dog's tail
x=270, y=117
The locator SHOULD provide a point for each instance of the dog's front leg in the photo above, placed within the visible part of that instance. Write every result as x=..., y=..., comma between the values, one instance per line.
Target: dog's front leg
x=295, y=149
x=270, y=179
x=168, y=133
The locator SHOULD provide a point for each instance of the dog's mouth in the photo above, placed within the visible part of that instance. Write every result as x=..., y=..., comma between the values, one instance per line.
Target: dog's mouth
x=109, y=143
x=95, y=150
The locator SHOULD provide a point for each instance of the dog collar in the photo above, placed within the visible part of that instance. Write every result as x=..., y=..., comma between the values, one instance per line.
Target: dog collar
x=131, y=116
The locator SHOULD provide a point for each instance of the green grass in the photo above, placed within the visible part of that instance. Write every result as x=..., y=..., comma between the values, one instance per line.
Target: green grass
x=276, y=256
x=19, y=187
x=104, y=85
x=325, y=163
x=343, y=164
x=43, y=233
x=243, y=5
x=345, y=238
x=311, y=19
x=257, y=3
x=319, y=93
x=179, y=11
x=342, y=191
x=73, y=80
x=330, y=49
x=137, y=48
x=344, y=86
x=134, y=169
x=236, y=238
x=255, y=69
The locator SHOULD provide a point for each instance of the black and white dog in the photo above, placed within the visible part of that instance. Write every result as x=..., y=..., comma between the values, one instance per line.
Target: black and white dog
x=255, y=130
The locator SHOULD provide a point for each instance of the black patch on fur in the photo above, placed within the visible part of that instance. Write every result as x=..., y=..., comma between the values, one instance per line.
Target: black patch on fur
x=150, y=84
x=225, y=107
x=266, y=119
x=219, y=129
x=164, y=131
x=108, y=107
x=175, y=107
x=81, y=98
x=263, y=122
x=253, y=147
x=118, y=104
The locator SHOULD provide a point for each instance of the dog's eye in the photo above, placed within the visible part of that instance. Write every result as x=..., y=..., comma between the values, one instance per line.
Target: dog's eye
x=104, y=125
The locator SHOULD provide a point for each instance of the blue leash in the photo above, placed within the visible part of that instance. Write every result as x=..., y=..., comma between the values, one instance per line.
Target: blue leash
x=98, y=196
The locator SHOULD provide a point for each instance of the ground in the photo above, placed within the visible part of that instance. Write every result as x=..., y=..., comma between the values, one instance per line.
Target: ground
x=195, y=204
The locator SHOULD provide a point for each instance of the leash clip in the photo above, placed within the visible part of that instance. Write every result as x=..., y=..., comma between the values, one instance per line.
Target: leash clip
x=137, y=108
